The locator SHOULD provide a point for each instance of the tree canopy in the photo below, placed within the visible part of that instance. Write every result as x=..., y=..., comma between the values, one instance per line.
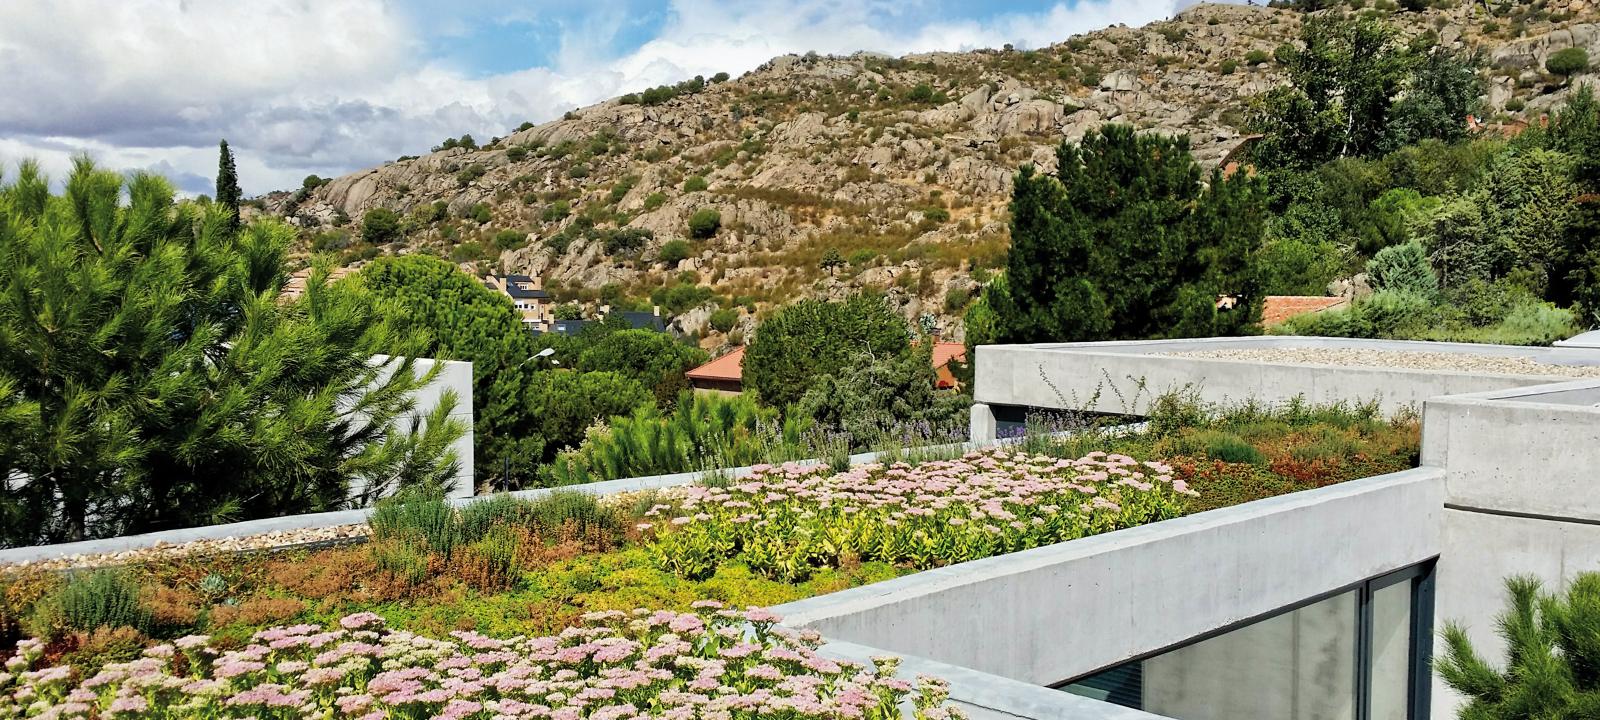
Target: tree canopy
x=809, y=339
x=1124, y=241
x=151, y=377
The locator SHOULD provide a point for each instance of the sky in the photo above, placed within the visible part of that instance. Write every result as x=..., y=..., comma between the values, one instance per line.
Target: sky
x=328, y=87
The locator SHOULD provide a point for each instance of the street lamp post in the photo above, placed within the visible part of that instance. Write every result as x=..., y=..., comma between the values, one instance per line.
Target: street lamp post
x=505, y=478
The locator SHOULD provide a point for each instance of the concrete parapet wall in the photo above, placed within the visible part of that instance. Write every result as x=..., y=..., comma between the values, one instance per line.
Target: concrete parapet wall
x=1123, y=377
x=1051, y=614
x=990, y=697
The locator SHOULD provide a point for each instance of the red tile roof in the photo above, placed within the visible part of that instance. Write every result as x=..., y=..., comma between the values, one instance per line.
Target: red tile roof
x=1278, y=308
x=730, y=367
x=727, y=367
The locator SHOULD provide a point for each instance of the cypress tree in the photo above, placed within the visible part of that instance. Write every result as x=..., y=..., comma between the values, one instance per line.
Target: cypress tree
x=1125, y=242
x=228, y=194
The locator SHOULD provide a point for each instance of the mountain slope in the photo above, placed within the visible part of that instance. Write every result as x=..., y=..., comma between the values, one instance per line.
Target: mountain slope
x=900, y=168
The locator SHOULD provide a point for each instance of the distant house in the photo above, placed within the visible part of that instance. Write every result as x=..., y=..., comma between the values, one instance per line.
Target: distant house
x=725, y=375
x=1277, y=309
x=529, y=297
x=722, y=376
x=637, y=320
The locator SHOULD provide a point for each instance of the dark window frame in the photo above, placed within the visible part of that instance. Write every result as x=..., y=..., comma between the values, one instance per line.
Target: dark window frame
x=1419, y=663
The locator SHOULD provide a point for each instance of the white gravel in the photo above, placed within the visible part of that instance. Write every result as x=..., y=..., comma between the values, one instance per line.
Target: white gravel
x=1406, y=359
x=266, y=541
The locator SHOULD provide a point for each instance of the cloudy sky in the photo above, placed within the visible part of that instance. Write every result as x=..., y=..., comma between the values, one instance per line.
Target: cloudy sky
x=332, y=86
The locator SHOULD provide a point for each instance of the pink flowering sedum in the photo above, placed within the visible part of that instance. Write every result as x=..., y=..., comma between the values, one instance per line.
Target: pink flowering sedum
x=788, y=520
x=713, y=663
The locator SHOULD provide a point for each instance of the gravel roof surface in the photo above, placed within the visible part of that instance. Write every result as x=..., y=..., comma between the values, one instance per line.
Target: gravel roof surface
x=267, y=541
x=1406, y=359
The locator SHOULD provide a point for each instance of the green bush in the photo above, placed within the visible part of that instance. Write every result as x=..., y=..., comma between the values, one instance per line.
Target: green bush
x=695, y=183
x=1228, y=67
x=470, y=173
x=516, y=153
x=104, y=598
x=380, y=226
x=808, y=339
x=1568, y=62
x=704, y=223
x=417, y=517
x=674, y=251
x=556, y=211
x=1228, y=447
x=1257, y=57
x=1389, y=314
x=510, y=239
x=724, y=319
x=1403, y=268
x=654, y=200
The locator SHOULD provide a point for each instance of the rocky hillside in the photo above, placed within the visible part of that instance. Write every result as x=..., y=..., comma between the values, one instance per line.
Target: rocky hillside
x=830, y=174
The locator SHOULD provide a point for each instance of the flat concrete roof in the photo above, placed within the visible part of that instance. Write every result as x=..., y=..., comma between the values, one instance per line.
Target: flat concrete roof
x=1576, y=356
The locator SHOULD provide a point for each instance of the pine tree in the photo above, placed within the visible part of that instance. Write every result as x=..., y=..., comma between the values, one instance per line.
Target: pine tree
x=1552, y=656
x=150, y=376
x=1125, y=242
x=228, y=194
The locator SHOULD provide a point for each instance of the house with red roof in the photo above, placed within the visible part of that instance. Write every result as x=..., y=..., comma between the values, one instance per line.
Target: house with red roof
x=725, y=375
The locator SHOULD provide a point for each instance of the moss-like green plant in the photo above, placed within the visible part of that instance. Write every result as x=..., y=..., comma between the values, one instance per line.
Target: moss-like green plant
x=105, y=598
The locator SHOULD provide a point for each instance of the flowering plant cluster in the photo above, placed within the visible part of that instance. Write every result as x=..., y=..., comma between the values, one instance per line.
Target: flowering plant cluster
x=710, y=663
x=785, y=521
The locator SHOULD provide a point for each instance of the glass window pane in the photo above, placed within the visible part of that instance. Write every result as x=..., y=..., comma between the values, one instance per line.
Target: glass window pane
x=1296, y=666
x=1391, y=651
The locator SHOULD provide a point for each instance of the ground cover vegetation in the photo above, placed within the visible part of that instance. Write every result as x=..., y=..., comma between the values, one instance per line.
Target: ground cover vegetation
x=614, y=665
x=504, y=566
x=152, y=375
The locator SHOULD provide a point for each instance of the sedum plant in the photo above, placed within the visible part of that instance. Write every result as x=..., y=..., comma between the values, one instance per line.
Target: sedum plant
x=712, y=662
x=787, y=521
x=1552, y=665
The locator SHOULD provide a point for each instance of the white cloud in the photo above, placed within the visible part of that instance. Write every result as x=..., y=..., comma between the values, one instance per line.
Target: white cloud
x=303, y=86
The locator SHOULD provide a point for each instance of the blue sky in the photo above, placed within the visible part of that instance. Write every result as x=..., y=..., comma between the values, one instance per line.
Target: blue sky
x=333, y=86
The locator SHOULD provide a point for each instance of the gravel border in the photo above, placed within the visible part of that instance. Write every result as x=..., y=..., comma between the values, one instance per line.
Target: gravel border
x=1400, y=359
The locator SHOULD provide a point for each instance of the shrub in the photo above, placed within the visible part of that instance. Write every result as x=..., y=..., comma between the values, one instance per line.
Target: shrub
x=481, y=213
x=1228, y=447
x=470, y=173
x=1403, y=268
x=556, y=211
x=673, y=251
x=1228, y=67
x=1388, y=314
x=724, y=319
x=510, y=239
x=1568, y=62
x=1551, y=655
x=1257, y=57
x=936, y=214
x=380, y=226
x=516, y=153
x=1515, y=105
x=654, y=200
x=105, y=598
x=695, y=183
x=956, y=300
x=809, y=339
x=704, y=223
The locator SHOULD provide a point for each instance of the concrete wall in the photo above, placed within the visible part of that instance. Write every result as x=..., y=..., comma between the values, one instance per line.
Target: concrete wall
x=990, y=697
x=1522, y=470
x=1055, y=613
x=1123, y=377
x=452, y=375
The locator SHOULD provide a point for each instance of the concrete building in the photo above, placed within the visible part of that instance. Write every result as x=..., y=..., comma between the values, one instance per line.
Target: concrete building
x=1322, y=604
